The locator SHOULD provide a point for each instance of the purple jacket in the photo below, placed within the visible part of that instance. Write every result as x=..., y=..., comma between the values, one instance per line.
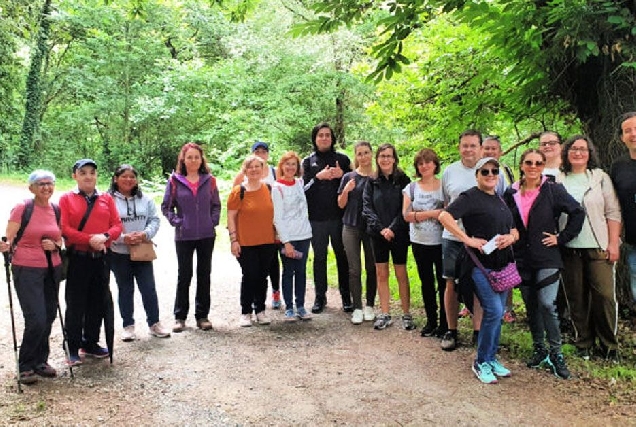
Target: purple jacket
x=193, y=217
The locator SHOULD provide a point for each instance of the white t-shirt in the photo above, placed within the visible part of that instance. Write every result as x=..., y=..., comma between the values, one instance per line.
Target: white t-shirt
x=429, y=231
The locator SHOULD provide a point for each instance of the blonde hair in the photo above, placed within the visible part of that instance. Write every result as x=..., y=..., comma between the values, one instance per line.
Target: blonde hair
x=249, y=160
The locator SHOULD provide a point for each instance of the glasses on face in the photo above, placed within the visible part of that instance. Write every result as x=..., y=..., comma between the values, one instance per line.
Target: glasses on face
x=486, y=172
x=537, y=163
x=548, y=143
x=581, y=150
x=385, y=156
x=45, y=184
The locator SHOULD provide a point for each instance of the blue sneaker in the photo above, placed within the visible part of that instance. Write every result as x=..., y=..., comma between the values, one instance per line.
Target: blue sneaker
x=499, y=370
x=290, y=316
x=74, y=360
x=483, y=371
x=303, y=314
x=95, y=351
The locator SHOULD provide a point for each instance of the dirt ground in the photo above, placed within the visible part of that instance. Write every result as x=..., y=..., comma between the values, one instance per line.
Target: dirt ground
x=322, y=372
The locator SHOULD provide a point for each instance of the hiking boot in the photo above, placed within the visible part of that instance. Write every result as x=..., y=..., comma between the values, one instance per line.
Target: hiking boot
x=128, y=334
x=357, y=317
x=347, y=306
x=262, y=319
x=319, y=305
x=382, y=321
x=28, y=377
x=449, y=341
x=94, y=350
x=179, y=325
x=613, y=356
x=558, y=366
x=499, y=370
x=483, y=371
x=245, y=321
x=539, y=357
x=440, y=331
x=369, y=315
x=45, y=370
x=428, y=330
x=303, y=314
x=290, y=316
x=204, y=324
x=159, y=331
x=407, y=322
x=276, y=300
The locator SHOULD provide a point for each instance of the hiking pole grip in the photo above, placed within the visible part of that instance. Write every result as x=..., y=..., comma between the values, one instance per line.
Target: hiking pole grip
x=5, y=254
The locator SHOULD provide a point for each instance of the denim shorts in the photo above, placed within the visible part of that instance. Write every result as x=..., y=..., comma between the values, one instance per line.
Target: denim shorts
x=450, y=251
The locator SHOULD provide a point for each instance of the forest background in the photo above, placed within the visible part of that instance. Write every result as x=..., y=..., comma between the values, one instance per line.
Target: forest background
x=132, y=80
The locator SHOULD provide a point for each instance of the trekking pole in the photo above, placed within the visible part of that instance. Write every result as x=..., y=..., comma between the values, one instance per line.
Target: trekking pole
x=15, y=340
x=49, y=261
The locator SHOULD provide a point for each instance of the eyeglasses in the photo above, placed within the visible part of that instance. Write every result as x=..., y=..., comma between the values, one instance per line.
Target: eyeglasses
x=581, y=150
x=386, y=156
x=45, y=184
x=486, y=172
x=548, y=143
x=538, y=163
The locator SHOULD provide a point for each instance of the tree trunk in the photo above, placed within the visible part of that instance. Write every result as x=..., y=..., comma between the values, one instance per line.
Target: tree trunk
x=31, y=124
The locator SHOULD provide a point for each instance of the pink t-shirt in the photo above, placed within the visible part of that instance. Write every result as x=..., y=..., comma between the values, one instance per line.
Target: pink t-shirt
x=194, y=186
x=43, y=223
x=525, y=203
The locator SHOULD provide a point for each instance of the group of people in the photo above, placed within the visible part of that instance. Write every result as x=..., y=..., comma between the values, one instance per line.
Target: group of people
x=559, y=222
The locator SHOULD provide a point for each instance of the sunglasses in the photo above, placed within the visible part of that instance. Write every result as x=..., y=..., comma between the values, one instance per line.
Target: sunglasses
x=538, y=163
x=486, y=172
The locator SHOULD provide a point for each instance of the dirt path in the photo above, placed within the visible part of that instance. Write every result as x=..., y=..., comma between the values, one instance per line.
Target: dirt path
x=323, y=372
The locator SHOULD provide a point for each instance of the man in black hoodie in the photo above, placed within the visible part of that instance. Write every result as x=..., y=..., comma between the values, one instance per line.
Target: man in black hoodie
x=322, y=171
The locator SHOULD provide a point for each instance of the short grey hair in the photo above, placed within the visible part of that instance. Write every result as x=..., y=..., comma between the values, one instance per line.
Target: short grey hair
x=40, y=174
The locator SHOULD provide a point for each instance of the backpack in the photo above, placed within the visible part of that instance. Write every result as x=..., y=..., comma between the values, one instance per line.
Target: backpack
x=26, y=217
x=242, y=193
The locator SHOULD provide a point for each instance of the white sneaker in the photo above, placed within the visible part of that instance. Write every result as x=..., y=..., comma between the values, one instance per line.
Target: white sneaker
x=159, y=331
x=262, y=318
x=357, y=317
x=128, y=334
x=245, y=320
x=369, y=315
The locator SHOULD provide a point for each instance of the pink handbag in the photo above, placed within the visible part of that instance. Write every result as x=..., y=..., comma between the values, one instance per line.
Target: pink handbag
x=502, y=280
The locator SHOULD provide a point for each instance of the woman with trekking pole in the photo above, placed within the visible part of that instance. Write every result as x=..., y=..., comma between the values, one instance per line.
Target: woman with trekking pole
x=33, y=229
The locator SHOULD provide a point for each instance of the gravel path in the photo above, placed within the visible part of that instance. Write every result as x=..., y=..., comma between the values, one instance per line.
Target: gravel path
x=322, y=372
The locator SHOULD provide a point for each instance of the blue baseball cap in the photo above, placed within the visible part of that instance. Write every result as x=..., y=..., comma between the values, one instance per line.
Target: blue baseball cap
x=259, y=144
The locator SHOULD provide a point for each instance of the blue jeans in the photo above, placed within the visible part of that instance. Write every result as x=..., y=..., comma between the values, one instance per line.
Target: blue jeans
x=543, y=318
x=295, y=275
x=322, y=233
x=631, y=262
x=494, y=304
x=126, y=271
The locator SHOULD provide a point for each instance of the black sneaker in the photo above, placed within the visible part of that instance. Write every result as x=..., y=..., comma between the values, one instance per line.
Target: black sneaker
x=449, y=341
x=440, y=331
x=613, y=356
x=428, y=330
x=558, y=366
x=538, y=358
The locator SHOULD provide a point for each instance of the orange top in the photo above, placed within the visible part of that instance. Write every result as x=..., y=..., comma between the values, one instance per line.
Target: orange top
x=255, y=222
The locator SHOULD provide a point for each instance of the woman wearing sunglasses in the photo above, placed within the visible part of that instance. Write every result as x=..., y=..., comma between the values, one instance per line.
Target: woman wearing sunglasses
x=485, y=217
x=590, y=257
x=536, y=204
